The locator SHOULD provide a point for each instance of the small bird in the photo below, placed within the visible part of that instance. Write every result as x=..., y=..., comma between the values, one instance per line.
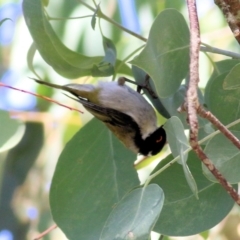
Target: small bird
x=124, y=111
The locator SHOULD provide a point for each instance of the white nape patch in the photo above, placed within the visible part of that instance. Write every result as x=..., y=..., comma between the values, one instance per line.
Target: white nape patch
x=144, y=172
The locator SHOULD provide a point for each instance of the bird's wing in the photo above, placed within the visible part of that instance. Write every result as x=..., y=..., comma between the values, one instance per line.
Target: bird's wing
x=109, y=115
x=121, y=124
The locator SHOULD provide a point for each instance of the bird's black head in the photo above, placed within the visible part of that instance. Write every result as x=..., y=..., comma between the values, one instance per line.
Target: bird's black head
x=153, y=144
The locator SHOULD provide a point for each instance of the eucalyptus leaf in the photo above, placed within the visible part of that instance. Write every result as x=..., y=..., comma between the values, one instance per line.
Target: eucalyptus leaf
x=182, y=213
x=30, y=57
x=64, y=61
x=106, y=66
x=232, y=80
x=178, y=143
x=176, y=137
x=48, y=44
x=135, y=215
x=220, y=67
x=93, y=173
x=110, y=51
x=93, y=20
x=166, y=57
x=225, y=156
x=224, y=104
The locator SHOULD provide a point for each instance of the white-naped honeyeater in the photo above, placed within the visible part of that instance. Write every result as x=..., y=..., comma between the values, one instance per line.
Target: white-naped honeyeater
x=124, y=111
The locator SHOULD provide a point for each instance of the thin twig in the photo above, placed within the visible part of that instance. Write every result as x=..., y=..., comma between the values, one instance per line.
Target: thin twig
x=192, y=102
x=208, y=115
x=100, y=14
x=208, y=48
x=211, y=118
x=40, y=96
x=41, y=235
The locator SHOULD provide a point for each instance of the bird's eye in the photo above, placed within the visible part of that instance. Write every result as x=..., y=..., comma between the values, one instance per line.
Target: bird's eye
x=159, y=140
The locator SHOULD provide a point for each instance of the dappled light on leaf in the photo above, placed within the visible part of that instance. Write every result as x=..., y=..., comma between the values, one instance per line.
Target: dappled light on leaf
x=93, y=173
x=135, y=214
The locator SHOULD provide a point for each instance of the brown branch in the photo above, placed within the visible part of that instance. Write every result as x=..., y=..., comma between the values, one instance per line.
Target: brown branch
x=192, y=102
x=191, y=94
x=41, y=235
x=231, y=9
x=208, y=115
x=40, y=96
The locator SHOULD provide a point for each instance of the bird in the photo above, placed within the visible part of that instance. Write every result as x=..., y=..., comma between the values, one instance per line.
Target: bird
x=123, y=110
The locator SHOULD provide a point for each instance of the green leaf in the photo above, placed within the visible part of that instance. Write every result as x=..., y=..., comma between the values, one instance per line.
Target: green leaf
x=135, y=215
x=175, y=4
x=219, y=68
x=232, y=80
x=93, y=173
x=225, y=156
x=93, y=20
x=173, y=102
x=49, y=46
x=30, y=57
x=178, y=144
x=224, y=104
x=166, y=55
x=65, y=62
x=176, y=137
x=110, y=51
x=106, y=66
x=182, y=213
x=11, y=131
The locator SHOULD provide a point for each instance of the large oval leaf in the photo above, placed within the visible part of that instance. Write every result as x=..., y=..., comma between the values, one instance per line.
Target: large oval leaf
x=135, y=216
x=219, y=68
x=166, y=55
x=93, y=173
x=224, y=104
x=182, y=213
x=232, y=80
x=178, y=144
x=225, y=156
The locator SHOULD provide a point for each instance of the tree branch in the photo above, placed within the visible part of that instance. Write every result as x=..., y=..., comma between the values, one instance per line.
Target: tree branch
x=208, y=115
x=192, y=102
x=231, y=9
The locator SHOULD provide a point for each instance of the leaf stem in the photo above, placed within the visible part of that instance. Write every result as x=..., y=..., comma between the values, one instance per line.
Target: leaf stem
x=208, y=48
x=46, y=232
x=125, y=59
x=68, y=18
x=40, y=96
x=100, y=14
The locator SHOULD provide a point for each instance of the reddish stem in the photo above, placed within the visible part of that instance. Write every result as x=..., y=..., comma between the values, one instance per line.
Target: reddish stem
x=40, y=96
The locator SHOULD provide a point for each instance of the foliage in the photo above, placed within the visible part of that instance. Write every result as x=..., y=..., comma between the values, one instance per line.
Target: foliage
x=95, y=191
